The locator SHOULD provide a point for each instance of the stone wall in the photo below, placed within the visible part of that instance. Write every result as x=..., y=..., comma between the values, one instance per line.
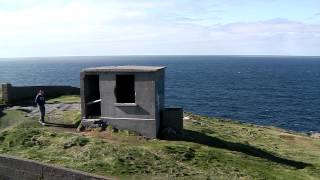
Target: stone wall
x=13, y=168
x=12, y=94
x=1, y=95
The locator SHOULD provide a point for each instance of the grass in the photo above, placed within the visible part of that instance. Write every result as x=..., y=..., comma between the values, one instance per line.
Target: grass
x=64, y=117
x=65, y=99
x=210, y=148
x=10, y=118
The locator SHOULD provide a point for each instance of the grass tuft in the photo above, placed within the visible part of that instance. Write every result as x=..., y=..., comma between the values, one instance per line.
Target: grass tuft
x=76, y=141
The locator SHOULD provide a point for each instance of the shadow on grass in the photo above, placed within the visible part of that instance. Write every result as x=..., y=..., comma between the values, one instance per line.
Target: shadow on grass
x=60, y=125
x=200, y=138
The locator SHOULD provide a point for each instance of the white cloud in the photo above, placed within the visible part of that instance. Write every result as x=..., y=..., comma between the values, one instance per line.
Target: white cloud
x=277, y=36
x=54, y=28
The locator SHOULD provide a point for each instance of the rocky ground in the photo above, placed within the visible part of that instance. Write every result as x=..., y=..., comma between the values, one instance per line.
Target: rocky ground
x=32, y=111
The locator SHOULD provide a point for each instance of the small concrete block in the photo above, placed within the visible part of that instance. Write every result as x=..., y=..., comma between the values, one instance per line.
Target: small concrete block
x=172, y=118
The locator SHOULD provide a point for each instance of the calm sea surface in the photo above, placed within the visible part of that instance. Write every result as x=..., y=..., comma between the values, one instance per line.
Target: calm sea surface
x=277, y=91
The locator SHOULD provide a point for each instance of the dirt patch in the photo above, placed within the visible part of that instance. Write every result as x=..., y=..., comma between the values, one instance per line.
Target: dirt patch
x=288, y=137
x=294, y=139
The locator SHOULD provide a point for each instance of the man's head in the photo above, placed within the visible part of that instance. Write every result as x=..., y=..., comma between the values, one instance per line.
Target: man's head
x=41, y=91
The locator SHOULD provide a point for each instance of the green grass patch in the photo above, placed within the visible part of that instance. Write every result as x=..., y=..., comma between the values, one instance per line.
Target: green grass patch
x=10, y=118
x=65, y=99
x=209, y=149
x=64, y=117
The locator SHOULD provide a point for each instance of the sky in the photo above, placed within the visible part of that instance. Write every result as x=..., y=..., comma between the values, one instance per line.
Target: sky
x=36, y=28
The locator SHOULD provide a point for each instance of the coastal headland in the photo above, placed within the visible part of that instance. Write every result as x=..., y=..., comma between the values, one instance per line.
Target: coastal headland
x=208, y=147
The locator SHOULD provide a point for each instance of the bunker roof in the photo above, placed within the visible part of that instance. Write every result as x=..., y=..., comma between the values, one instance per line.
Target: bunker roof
x=128, y=68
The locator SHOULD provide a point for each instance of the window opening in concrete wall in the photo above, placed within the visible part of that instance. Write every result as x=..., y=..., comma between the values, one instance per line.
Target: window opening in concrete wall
x=92, y=96
x=124, y=91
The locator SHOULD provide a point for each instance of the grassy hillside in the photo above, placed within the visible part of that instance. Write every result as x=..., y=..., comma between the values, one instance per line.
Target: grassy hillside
x=209, y=148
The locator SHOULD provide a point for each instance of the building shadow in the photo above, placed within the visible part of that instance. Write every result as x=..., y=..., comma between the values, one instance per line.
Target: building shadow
x=200, y=138
x=60, y=125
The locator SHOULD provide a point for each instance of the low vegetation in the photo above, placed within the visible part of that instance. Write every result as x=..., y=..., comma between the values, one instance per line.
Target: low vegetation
x=209, y=148
x=65, y=99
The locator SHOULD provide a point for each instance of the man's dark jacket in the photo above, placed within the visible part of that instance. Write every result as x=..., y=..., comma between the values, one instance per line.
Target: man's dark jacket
x=40, y=100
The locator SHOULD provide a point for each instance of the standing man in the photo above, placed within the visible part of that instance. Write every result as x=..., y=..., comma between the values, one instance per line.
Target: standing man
x=40, y=100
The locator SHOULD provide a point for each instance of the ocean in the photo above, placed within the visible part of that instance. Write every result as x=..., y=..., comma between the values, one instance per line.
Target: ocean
x=275, y=91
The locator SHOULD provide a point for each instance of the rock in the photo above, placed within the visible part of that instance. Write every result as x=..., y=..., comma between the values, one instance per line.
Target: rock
x=196, y=122
x=186, y=118
x=81, y=128
x=168, y=133
x=315, y=135
x=50, y=108
x=115, y=130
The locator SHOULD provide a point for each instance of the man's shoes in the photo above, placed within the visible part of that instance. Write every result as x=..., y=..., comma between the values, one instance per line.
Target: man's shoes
x=42, y=123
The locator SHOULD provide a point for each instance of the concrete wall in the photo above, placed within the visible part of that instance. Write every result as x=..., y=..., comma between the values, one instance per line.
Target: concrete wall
x=4, y=92
x=12, y=94
x=144, y=100
x=140, y=117
x=160, y=97
x=12, y=168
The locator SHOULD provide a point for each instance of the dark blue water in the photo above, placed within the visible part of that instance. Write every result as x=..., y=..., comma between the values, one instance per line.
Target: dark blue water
x=277, y=91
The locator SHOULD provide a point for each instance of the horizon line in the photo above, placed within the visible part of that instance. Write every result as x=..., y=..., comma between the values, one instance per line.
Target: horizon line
x=225, y=55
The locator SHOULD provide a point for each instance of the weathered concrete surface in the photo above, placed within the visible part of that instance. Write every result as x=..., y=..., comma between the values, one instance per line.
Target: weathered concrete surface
x=130, y=69
x=4, y=94
x=13, y=168
x=142, y=127
x=144, y=99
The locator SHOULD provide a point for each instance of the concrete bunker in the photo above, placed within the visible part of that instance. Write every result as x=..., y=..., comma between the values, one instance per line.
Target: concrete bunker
x=127, y=97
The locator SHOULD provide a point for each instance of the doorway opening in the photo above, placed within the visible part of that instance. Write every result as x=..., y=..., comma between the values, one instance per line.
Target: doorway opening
x=92, y=96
